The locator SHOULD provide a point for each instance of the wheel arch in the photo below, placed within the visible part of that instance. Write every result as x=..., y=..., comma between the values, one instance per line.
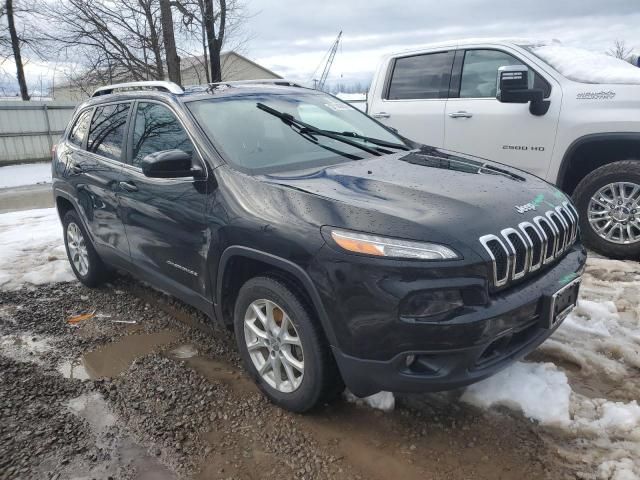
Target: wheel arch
x=259, y=262
x=592, y=151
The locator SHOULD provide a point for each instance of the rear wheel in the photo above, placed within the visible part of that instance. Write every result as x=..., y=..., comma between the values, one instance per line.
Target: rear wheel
x=282, y=347
x=608, y=200
x=85, y=262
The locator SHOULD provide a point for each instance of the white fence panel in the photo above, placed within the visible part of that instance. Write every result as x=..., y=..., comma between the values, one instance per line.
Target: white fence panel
x=28, y=130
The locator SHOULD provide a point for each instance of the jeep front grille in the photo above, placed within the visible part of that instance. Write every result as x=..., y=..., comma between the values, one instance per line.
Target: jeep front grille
x=515, y=252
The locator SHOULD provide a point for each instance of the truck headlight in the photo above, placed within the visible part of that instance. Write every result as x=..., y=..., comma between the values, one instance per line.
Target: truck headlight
x=390, y=247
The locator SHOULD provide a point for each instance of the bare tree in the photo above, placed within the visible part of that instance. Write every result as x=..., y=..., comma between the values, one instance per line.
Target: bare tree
x=173, y=61
x=620, y=50
x=15, y=47
x=116, y=39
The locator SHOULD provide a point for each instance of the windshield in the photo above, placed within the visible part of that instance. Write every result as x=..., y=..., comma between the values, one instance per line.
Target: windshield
x=260, y=142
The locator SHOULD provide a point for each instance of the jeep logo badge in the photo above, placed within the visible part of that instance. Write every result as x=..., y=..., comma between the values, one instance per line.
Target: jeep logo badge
x=526, y=207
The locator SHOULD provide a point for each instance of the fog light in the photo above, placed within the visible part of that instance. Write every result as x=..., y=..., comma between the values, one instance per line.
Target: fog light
x=433, y=304
x=409, y=359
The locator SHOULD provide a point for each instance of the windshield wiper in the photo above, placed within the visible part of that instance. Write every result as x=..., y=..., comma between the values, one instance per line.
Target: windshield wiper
x=375, y=141
x=305, y=127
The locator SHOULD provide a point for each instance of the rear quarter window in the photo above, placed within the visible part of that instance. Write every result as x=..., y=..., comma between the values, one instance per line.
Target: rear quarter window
x=80, y=128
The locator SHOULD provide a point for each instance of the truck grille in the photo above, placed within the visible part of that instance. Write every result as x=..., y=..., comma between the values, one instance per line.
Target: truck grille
x=525, y=249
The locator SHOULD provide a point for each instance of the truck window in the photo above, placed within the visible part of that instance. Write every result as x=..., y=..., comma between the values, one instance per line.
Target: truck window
x=421, y=76
x=480, y=73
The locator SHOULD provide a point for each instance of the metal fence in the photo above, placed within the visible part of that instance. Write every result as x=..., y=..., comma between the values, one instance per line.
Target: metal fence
x=28, y=130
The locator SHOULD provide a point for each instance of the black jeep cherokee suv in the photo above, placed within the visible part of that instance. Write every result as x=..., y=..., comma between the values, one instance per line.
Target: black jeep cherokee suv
x=340, y=252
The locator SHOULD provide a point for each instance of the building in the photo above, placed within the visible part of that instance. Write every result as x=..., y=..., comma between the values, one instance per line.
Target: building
x=192, y=72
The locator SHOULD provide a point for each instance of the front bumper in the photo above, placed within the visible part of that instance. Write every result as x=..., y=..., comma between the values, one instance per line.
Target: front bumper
x=373, y=340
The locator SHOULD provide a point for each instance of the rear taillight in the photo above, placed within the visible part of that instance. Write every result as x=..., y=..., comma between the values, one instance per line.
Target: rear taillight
x=53, y=149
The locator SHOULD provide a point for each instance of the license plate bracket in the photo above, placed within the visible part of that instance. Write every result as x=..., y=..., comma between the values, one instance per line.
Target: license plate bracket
x=556, y=307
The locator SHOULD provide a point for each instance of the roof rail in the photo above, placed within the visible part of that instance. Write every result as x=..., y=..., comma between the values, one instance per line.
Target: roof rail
x=261, y=81
x=152, y=84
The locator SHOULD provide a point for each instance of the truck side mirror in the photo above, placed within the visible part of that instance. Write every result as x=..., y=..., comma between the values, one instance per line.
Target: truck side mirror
x=513, y=87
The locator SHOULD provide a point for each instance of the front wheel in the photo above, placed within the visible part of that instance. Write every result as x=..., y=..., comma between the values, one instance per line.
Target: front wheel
x=282, y=346
x=608, y=200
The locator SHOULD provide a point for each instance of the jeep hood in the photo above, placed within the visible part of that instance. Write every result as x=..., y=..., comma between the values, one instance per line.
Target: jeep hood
x=428, y=192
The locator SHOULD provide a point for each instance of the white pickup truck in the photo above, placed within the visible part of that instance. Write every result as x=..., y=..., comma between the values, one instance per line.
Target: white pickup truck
x=567, y=115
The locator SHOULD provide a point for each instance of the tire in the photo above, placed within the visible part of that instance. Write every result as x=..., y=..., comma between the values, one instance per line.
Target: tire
x=319, y=379
x=92, y=272
x=625, y=172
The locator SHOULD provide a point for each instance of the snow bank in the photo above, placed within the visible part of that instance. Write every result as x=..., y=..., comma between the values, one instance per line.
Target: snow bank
x=587, y=66
x=540, y=391
x=32, y=249
x=25, y=174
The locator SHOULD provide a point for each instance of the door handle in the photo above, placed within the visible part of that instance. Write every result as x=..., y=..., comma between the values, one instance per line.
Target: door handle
x=128, y=186
x=76, y=169
x=380, y=115
x=461, y=114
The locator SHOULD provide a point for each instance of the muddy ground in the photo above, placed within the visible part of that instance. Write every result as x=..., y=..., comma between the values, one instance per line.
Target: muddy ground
x=148, y=389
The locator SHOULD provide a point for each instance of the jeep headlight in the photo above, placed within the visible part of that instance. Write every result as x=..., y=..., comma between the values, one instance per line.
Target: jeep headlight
x=376, y=246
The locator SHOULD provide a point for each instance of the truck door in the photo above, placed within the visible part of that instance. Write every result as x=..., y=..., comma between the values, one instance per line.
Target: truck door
x=413, y=97
x=476, y=123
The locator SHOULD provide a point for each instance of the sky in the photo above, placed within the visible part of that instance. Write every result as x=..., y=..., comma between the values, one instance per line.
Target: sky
x=292, y=37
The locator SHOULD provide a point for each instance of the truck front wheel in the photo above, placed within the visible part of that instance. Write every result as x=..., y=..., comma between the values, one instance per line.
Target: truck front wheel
x=608, y=201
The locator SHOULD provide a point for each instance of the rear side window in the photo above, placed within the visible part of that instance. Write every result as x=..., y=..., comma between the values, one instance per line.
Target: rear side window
x=108, y=129
x=156, y=129
x=480, y=73
x=421, y=76
x=80, y=128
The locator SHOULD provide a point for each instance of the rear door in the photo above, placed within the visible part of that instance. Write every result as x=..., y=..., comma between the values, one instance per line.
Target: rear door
x=164, y=217
x=95, y=171
x=414, y=96
x=478, y=124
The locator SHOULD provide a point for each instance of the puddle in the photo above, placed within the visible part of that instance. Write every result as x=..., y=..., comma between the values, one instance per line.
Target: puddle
x=221, y=372
x=24, y=348
x=74, y=369
x=183, y=352
x=121, y=452
x=113, y=358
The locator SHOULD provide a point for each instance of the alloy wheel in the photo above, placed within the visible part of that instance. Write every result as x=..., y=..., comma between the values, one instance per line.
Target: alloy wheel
x=274, y=345
x=614, y=212
x=77, y=249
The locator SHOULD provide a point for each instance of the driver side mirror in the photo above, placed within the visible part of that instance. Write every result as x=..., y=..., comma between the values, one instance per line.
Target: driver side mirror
x=513, y=87
x=169, y=164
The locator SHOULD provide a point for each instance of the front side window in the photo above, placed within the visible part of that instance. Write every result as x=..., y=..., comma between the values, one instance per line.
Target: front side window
x=259, y=142
x=156, y=129
x=79, y=130
x=421, y=76
x=480, y=73
x=108, y=129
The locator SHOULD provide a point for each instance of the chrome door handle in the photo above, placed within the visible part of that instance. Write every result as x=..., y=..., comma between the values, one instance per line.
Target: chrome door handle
x=461, y=114
x=380, y=115
x=128, y=187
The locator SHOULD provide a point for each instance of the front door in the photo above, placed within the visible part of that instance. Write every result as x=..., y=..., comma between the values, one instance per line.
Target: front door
x=95, y=171
x=414, y=100
x=478, y=124
x=164, y=218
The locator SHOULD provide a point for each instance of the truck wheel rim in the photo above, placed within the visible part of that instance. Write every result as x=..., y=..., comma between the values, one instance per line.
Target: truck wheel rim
x=77, y=249
x=274, y=345
x=614, y=212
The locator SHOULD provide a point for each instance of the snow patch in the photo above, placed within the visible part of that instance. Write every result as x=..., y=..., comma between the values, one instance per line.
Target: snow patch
x=32, y=249
x=384, y=401
x=539, y=390
x=588, y=67
x=25, y=174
